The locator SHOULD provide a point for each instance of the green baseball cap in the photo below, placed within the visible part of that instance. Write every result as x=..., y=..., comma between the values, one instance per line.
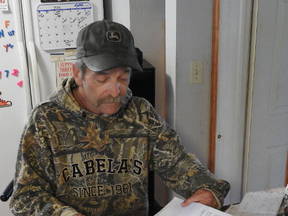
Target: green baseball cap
x=105, y=44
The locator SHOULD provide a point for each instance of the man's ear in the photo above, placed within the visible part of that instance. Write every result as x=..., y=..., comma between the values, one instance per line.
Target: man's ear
x=77, y=75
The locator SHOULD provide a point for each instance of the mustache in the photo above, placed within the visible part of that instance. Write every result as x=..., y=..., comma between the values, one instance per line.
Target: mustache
x=111, y=99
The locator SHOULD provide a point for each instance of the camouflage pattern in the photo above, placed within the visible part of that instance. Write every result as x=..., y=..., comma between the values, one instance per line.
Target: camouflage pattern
x=71, y=160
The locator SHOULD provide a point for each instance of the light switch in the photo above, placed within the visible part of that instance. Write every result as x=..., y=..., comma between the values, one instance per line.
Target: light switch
x=196, y=72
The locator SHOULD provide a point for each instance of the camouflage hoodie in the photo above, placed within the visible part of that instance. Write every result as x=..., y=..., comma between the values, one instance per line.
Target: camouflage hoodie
x=71, y=160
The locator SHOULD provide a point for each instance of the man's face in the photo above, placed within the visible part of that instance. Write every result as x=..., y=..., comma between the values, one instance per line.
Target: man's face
x=102, y=92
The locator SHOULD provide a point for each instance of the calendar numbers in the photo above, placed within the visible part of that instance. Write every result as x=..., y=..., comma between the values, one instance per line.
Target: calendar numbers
x=59, y=23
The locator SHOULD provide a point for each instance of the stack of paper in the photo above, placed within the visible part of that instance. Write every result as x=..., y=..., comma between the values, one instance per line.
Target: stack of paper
x=258, y=204
x=174, y=208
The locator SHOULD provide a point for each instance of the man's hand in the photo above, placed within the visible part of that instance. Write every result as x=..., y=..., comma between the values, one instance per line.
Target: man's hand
x=202, y=196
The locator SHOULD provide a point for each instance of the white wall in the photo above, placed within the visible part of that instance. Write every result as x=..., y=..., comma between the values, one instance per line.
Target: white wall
x=148, y=27
x=189, y=112
x=193, y=42
x=189, y=38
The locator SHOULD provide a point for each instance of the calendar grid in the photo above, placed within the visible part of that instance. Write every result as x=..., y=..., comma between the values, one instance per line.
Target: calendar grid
x=59, y=23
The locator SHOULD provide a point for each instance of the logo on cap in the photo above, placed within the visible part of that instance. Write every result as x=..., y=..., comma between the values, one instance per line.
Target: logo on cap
x=113, y=36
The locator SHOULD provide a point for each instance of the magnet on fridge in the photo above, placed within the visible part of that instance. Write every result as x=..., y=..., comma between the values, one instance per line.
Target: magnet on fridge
x=20, y=83
x=2, y=33
x=11, y=33
x=7, y=73
x=0, y=74
x=8, y=45
x=15, y=72
x=4, y=103
x=6, y=23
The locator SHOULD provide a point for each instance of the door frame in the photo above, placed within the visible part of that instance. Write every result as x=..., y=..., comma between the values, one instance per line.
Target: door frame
x=214, y=85
x=234, y=52
x=250, y=86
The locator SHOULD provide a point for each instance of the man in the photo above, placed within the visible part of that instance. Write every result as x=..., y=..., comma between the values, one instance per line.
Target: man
x=88, y=150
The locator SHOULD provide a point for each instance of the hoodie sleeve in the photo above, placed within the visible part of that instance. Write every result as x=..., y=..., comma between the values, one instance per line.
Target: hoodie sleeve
x=34, y=183
x=179, y=170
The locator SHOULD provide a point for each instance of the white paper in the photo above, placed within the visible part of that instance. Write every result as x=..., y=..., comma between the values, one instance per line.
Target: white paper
x=174, y=208
x=63, y=70
x=4, y=5
x=258, y=204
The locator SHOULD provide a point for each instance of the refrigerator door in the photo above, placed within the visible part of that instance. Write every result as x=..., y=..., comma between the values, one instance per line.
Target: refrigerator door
x=15, y=103
x=44, y=25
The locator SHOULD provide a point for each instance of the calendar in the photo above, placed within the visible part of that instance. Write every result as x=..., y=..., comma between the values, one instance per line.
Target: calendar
x=59, y=23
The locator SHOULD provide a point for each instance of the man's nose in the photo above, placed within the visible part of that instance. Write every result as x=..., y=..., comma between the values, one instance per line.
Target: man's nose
x=115, y=89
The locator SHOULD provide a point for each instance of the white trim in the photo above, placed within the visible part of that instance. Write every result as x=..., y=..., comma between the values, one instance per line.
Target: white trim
x=250, y=95
x=232, y=85
x=28, y=24
x=23, y=60
x=170, y=34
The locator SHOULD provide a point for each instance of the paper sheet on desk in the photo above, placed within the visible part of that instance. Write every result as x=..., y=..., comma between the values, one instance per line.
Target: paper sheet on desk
x=173, y=208
x=258, y=204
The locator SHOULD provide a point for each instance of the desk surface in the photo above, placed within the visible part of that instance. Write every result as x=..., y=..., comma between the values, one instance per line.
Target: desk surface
x=260, y=203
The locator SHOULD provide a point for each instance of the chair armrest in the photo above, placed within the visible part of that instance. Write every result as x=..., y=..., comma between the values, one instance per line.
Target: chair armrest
x=7, y=192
